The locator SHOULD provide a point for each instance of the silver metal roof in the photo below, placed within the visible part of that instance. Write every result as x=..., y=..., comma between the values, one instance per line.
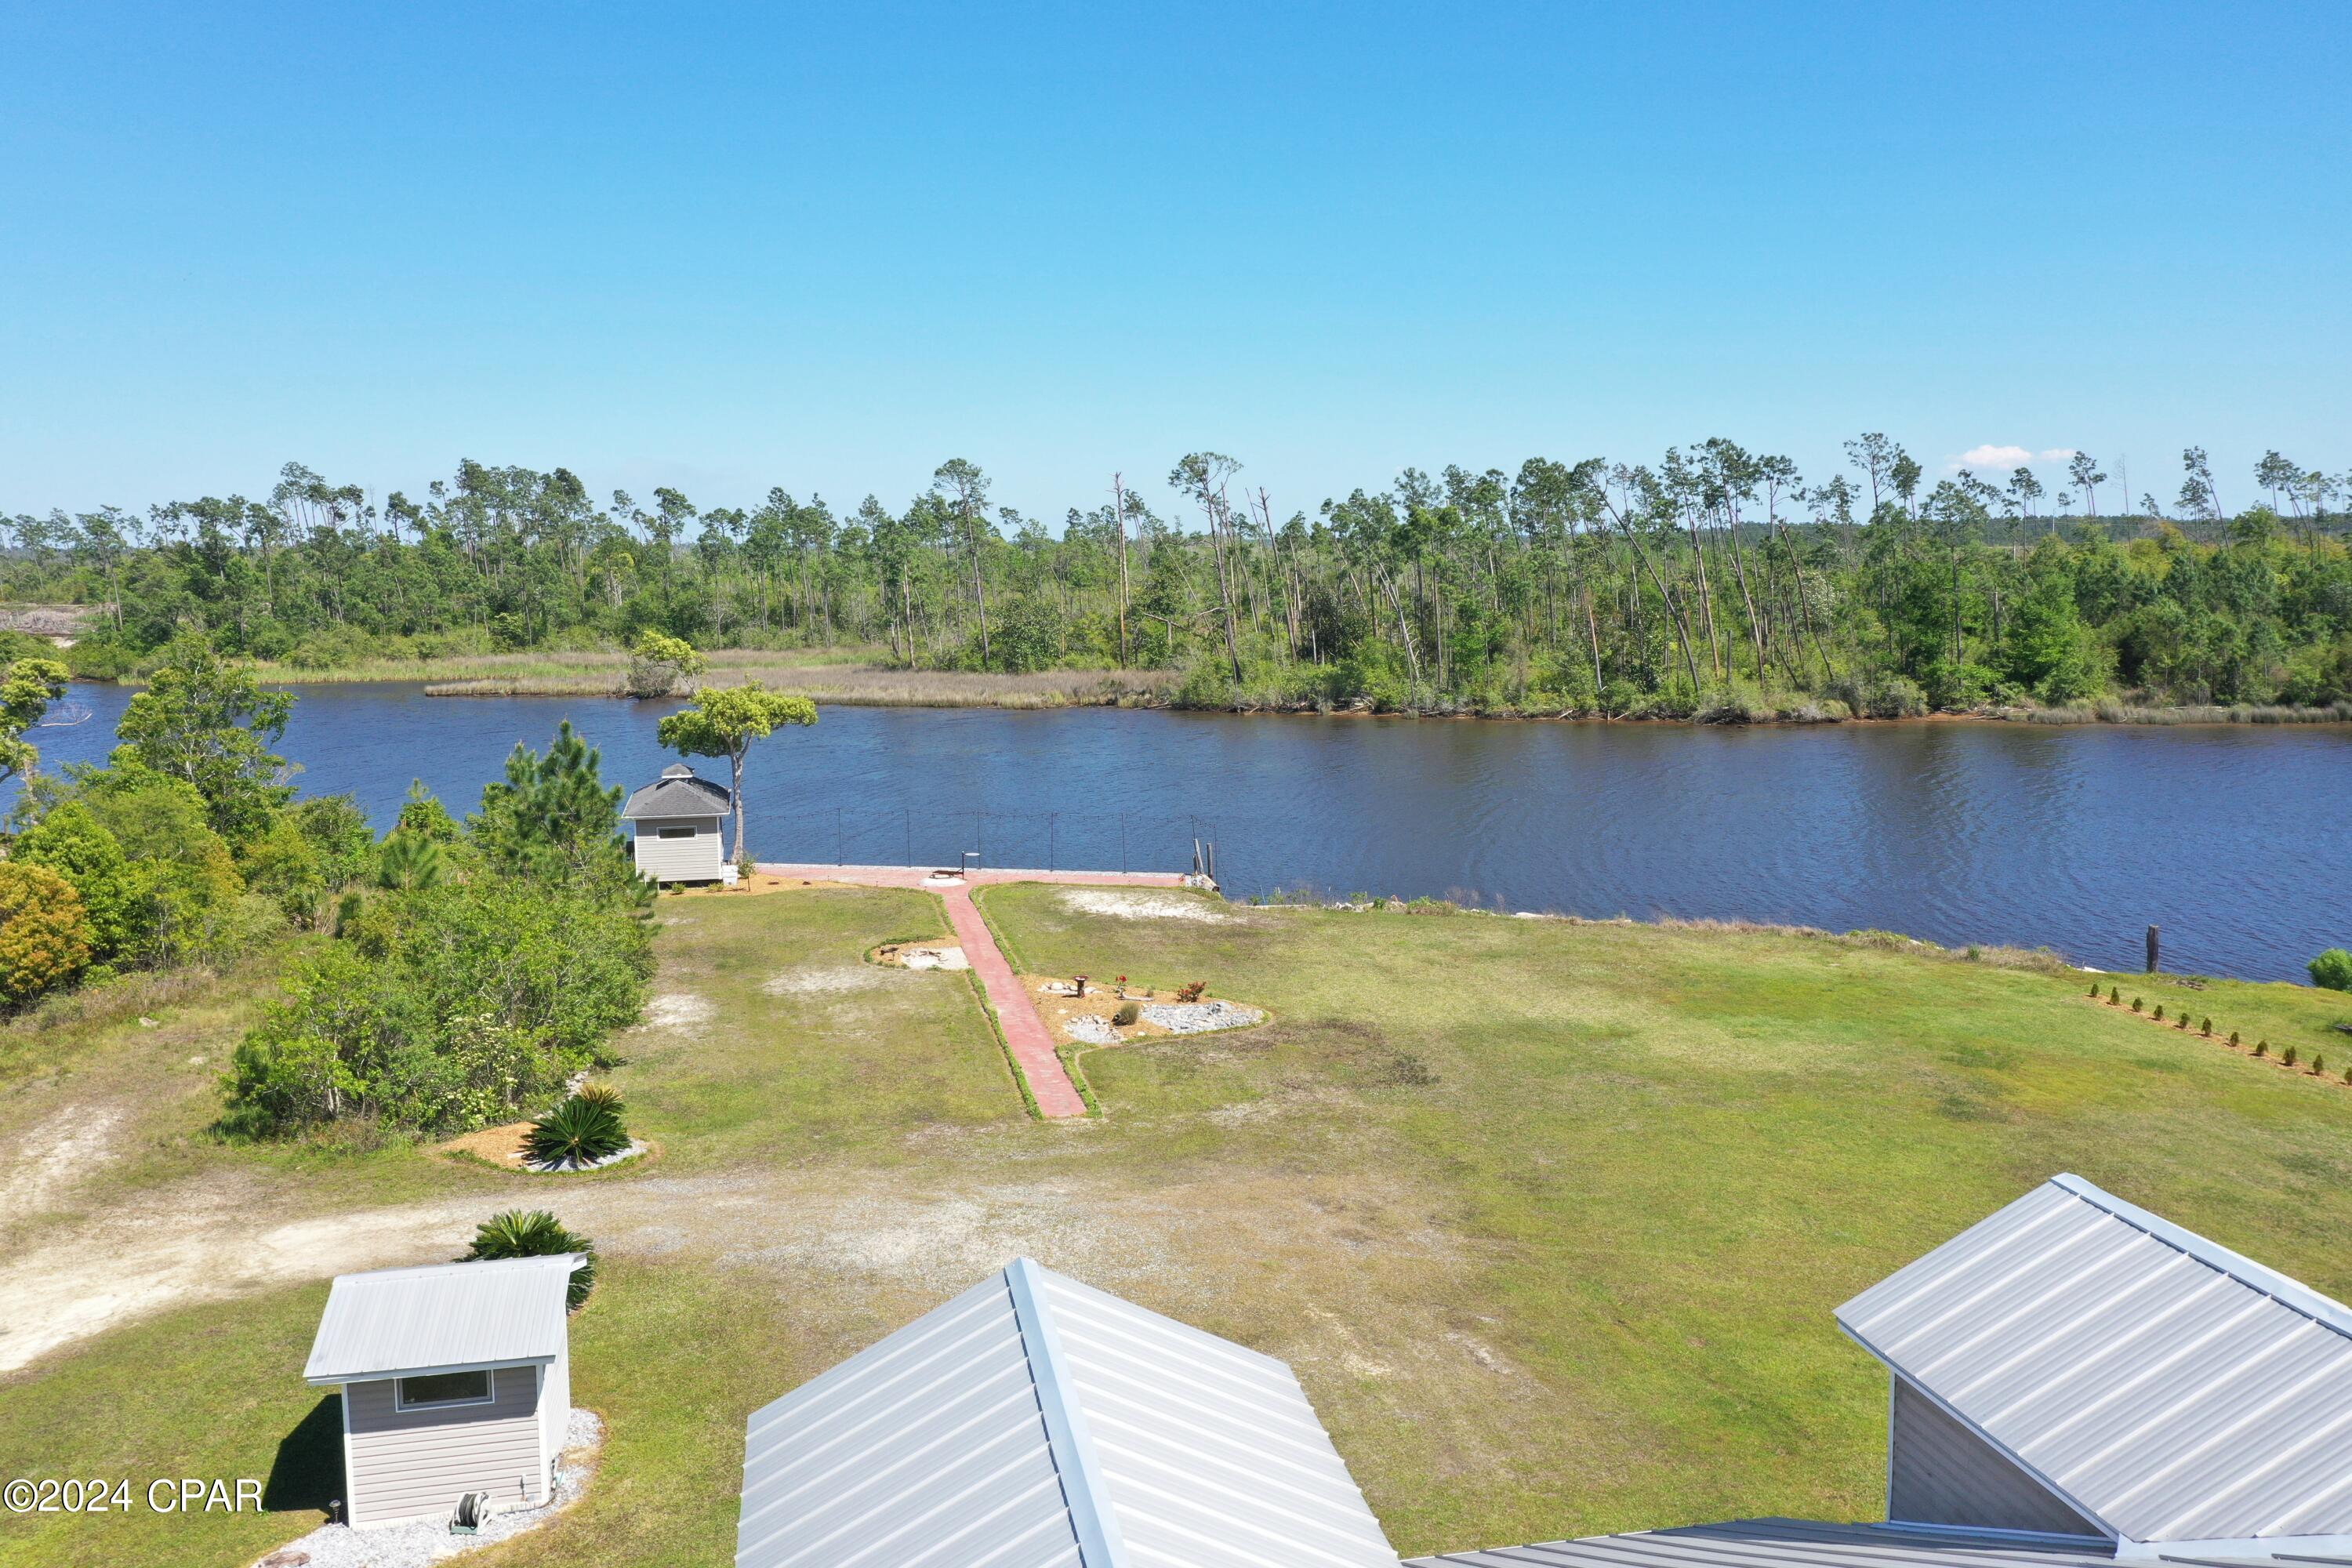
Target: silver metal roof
x=444, y=1315
x=2170, y=1389
x=680, y=792
x=1034, y=1421
x=1810, y=1543
x=1777, y=1543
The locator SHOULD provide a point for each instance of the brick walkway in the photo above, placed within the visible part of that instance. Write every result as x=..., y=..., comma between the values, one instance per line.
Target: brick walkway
x=1031, y=1042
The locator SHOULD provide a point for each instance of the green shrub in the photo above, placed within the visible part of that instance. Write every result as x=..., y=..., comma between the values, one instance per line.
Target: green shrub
x=2233, y=1038
x=2095, y=988
x=1190, y=991
x=2138, y=1004
x=2183, y=1025
x=44, y=936
x=2289, y=1057
x=2208, y=1029
x=1128, y=1012
x=535, y=1233
x=2318, y=1065
x=2261, y=1047
x=74, y=844
x=2331, y=970
x=579, y=1131
x=2159, y=1012
x=2115, y=996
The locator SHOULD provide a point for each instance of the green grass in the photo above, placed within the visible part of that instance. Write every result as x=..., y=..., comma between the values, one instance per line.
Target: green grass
x=1548, y=1217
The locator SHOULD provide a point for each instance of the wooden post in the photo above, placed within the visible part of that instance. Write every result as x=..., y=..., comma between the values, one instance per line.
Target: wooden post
x=2151, y=950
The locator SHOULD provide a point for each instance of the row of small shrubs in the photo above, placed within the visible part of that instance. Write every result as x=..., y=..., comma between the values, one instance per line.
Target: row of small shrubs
x=2289, y=1058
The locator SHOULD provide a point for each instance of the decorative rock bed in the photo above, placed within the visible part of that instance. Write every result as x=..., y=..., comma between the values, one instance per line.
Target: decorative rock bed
x=1092, y=1029
x=1200, y=1017
x=425, y=1540
x=563, y=1167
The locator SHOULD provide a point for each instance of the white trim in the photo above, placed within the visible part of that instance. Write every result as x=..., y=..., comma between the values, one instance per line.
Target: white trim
x=343, y=1377
x=403, y=1404
x=539, y=1419
x=348, y=1488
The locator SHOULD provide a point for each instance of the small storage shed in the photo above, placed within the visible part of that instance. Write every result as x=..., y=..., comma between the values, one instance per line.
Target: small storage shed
x=456, y=1379
x=1035, y=1422
x=678, y=819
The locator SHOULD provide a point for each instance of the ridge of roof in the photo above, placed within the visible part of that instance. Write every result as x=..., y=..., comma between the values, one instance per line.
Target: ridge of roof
x=572, y=1261
x=1066, y=1436
x=2288, y=1293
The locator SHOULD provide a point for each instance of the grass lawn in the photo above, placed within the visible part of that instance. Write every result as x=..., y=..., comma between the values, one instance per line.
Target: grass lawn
x=1548, y=1217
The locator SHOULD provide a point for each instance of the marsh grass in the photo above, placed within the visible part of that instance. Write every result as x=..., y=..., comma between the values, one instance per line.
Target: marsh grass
x=2209, y=713
x=854, y=684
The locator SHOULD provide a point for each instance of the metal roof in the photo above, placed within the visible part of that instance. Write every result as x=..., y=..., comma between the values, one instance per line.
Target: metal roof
x=444, y=1315
x=2170, y=1389
x=1034, y=1421
x=680, y=792
x=1795, y=1543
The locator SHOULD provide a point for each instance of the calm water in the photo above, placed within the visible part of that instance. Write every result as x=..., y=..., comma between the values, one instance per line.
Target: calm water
x=2235, y=839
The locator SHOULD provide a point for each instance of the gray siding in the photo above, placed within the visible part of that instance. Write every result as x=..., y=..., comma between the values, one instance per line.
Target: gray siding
x=695, y=859
x=405, y=1464
x=1939, y=1472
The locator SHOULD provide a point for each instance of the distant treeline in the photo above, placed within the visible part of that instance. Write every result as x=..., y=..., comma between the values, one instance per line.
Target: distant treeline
x=1715, y=582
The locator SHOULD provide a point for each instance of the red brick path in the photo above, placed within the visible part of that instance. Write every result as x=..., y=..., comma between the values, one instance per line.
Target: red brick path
x=1024, y=1031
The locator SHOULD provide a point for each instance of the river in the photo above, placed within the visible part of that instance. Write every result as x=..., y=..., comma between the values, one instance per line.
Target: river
x=2235, y=839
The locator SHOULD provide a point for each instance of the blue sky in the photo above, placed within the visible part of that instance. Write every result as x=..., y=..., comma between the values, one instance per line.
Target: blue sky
x=827, y=248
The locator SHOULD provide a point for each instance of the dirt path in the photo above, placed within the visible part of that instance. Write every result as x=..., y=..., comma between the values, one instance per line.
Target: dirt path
x=1024, y=1032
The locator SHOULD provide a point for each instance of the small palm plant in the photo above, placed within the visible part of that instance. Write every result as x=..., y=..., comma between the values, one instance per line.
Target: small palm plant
x=535, y=1233
x=580, y=1131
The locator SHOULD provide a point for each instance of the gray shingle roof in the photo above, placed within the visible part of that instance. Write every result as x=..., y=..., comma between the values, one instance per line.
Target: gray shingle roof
x=441, y=1315
x=2170, y=1389
x=680, y=792
x=1035, y=1422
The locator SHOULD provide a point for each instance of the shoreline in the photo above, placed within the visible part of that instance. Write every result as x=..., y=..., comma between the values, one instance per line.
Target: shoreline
x=862, y=684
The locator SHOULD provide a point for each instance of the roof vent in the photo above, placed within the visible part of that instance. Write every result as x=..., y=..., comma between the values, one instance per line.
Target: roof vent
x=678, y=770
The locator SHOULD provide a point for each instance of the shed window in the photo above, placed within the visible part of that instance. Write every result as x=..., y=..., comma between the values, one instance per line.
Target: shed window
x=442, y=1388
x=675, y=833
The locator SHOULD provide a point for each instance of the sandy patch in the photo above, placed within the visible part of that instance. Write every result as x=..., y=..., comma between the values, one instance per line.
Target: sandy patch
x=831, y=980
x=55, y=1155
x=500, y=1145
x=1122, y=904
x=679, y=1010
x=199, y=1243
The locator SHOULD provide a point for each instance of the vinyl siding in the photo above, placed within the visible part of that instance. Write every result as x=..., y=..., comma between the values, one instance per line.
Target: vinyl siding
x=695, y=859
x=1939, y=1472
x=407, y=1463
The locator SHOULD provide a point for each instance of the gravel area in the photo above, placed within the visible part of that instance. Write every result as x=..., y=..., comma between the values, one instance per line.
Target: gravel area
x=934, y=958
x=429, y=1540
x=1092, y=1028
x=1198, y=1017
